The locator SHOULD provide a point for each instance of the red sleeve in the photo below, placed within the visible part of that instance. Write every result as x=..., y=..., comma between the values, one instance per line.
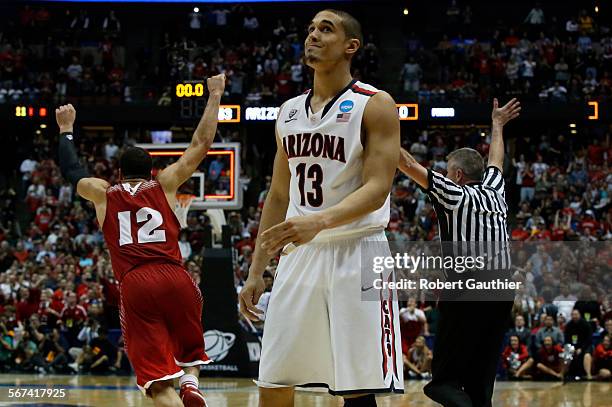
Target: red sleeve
x=505, y=354
x=600, y=352
x=524, y=353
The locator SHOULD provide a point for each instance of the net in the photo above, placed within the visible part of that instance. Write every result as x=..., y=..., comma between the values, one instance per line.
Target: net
x=183, y=202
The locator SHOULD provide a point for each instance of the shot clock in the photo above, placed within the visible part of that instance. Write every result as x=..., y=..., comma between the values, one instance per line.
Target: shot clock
x=190, y=98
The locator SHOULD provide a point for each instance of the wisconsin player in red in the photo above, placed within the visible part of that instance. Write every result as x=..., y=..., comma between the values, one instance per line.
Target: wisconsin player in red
x=161, y=306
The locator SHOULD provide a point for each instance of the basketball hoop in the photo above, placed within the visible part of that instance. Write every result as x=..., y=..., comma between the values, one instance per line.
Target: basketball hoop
x=183, y=202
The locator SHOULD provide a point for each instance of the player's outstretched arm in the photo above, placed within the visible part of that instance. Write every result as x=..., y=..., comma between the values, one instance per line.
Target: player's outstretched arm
x=274, y=212
x=500, y=116
x=176, y=174
x=92, y=189
x=410, y=166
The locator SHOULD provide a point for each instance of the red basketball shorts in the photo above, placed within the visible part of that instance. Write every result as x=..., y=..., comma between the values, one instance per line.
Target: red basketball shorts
x=161, y=321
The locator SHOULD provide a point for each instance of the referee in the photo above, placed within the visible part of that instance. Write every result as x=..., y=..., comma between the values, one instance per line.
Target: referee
x=471, y=208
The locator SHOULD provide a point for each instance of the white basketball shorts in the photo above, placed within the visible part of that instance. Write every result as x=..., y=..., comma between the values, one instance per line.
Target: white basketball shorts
x=318, y=330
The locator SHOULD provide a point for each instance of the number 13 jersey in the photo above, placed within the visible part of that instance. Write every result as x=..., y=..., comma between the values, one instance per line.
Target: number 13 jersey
x=140, y=228
x=326, y=151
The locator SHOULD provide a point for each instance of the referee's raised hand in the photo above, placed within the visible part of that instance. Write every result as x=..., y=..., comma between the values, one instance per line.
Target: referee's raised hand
x=502, y=115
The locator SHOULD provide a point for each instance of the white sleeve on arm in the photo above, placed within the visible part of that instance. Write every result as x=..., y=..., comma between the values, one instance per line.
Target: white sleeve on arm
x=493, y=178
x=443, y=190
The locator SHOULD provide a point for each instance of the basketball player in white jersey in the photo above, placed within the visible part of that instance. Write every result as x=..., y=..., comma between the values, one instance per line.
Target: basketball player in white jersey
x=337, y=149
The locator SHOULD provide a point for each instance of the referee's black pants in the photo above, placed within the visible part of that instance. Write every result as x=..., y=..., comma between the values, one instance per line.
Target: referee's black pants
x=466, y=352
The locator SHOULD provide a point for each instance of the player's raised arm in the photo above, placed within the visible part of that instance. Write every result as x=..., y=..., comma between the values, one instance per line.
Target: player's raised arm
x=274, y=212
x=176, y=174
x=92, y=189
x=500, y=116
x=409, y=166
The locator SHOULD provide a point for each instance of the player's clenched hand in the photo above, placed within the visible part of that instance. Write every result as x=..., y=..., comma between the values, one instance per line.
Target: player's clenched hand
x=502, y=115
x=253, y=288
x=216, y=84
x=297, y=230
x=65, y=116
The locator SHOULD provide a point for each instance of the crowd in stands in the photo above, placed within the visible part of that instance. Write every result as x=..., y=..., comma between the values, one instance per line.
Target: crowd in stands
x=48, y=57
x=543, y=58
x=262, y=62
x=77, y=56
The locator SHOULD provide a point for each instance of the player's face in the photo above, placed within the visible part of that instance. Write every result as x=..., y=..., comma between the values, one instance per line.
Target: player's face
x=326, y=41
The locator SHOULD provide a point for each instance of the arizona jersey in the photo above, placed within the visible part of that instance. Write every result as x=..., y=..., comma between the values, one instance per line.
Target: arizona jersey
x=140, y=228
x=325, y=154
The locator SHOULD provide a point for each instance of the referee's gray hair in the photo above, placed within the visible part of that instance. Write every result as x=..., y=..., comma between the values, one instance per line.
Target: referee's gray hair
x=470, y=161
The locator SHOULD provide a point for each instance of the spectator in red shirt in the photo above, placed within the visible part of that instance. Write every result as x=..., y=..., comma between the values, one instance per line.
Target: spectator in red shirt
x=72, y=312
x=73, y=316
x=603, y=359
x=28, y=305
x=589, y=221
x=20, y=253
x=515, y=358
x=527, y=184
x=48, y=315
x=561, y=225
x=413, y=323
x=520, y=233
x=283, y=84
x=417, y=361
x=549, y=361
x=43, y=219
x=57, y=301
x=596, y=153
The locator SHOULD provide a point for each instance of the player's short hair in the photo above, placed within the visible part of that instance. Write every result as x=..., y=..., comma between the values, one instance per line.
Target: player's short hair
x=135, y=162
x=352, y=27
x=470, y=161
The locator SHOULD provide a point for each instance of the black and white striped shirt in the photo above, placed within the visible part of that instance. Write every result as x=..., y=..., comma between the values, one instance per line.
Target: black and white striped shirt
x=475, y=212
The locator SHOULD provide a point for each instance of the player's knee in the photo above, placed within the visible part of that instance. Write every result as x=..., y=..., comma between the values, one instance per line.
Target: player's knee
x=369, y=400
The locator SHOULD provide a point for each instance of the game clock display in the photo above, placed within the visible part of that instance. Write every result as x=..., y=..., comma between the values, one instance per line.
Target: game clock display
x=190, y=98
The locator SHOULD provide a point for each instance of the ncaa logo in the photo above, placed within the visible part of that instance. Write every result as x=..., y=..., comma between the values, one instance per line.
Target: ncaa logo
x=346, y=106
x=292, y=113
x=218, y=344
